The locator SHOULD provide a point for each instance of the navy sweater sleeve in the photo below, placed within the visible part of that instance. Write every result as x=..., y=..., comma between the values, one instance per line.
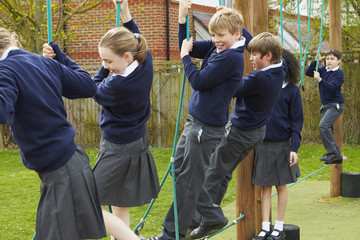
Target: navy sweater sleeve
x=132, y=26
x=296, y=120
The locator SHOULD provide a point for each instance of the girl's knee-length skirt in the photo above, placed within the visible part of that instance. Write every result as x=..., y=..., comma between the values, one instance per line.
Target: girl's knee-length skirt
x=126, y=174
x=272, y=165
x=69, y=206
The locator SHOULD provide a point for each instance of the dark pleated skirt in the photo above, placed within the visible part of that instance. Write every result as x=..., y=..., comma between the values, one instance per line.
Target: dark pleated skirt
x=272, y=166
x=126, y=174
x=69, y=206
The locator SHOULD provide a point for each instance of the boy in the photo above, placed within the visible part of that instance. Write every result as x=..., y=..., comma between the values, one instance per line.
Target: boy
x=330, y=78
x=256, y=95
x=214, y=86
x=31, y=90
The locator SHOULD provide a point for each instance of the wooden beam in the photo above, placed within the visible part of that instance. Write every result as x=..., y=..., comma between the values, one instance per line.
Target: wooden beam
x=335, y=42
x=255, y=13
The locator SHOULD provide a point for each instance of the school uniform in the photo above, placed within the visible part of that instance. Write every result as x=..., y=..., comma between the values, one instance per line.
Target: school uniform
x=214, y=86
x=125, y=172
x=256, y=95
x=31, y=90
x=332, y=101
x=272, y=156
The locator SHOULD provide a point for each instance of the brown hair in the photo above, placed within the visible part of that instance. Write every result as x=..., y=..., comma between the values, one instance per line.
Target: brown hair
x=266, y=42
x=5, y=38
x=120, y=40
x=334, y=52
x=226, y=19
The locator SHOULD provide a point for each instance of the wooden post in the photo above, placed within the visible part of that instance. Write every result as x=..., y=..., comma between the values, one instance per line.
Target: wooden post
x=335, y=42
x=2, y=131
x=255, y=13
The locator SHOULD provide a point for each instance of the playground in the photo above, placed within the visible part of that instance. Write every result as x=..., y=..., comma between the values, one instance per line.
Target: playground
x=310, y=207
x=315, y=202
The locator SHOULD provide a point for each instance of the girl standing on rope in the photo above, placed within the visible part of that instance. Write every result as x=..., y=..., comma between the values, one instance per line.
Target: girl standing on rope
x=31, y=91
x=276, y=157
x=330, y=78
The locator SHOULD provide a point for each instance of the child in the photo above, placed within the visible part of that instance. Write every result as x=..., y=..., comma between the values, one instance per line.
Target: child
x=276, y=157
x=31, y=91
x=214, y=86
x=330, y=78
x=256, y=95
x=125, y=171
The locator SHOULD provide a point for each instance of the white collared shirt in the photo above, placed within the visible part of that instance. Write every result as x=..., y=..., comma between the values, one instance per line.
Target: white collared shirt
x=273, y=66
x=6, y=53
x=334, y=69
x=129, y=69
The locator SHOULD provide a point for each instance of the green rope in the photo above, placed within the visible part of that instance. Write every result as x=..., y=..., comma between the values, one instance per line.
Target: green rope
x=140, y=225
x=300, y=45
x=118, y=14
x=303, y=178
x=321, y=28
x=307, y=44
x=281, y=23
x=223, y=229
x=49, y=23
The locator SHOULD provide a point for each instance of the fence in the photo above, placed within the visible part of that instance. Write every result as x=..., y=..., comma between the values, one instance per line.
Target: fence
x=83, y=114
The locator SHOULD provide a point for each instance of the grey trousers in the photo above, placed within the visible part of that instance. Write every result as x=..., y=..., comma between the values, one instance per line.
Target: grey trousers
x=191, y=160
x=329, y=113
x=234, y=147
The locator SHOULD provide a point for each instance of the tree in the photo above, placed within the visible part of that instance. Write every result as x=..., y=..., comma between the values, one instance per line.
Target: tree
x=350, y=12
x=28, y=18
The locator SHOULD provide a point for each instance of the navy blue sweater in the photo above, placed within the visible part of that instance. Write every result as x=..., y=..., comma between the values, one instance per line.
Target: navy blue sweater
x=125, y=100
x=31, y=90
x=330, y=85
x=256, y=95
x=215, y=83
x=287, y=118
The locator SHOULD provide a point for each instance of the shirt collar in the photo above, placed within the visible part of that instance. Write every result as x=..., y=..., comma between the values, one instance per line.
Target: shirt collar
x=130, y=68
x=6, y=53
x=237, y=44
x=334, y=69
x=273, y=66
x=284, y=84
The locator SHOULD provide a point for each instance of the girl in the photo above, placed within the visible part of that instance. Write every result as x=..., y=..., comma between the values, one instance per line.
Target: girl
x=276, y=158
x=31, y=91
x=125, y=172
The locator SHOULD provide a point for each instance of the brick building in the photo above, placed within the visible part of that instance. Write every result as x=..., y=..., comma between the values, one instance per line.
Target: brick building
x=152, y=17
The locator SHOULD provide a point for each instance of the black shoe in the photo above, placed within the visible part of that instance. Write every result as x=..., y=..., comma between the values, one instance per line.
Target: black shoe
x=334, y=161
x=281, y=235
x=267, y=234
x=324, y=157
x=204, y=229
x=151, y=238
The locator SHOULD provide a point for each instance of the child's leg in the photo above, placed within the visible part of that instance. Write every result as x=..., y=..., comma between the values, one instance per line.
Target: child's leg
x=282, y=202
x=329, y=114
x=123, y=214
x=117, y=228
x=265, y=211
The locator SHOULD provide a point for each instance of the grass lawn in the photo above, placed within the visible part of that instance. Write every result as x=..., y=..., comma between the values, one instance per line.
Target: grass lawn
x=309, y=204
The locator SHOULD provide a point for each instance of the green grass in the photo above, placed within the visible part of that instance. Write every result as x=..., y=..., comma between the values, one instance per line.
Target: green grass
x=20, y=189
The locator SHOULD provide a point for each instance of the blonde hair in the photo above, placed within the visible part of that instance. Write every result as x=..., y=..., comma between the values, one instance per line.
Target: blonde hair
x=5, y=38
x=226, y=19
x=121, y=40
x=266, y=42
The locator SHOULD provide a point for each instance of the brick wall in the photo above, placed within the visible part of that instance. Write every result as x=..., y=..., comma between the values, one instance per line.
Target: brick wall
x=85, y=30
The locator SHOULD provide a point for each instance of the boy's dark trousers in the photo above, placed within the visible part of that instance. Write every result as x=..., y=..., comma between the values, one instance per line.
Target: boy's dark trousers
x=191, y=160
x=234, y=147
x=329, y=113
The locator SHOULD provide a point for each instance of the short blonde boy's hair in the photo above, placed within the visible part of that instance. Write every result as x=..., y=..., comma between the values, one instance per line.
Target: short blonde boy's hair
x=226, y=19
x=266, y=42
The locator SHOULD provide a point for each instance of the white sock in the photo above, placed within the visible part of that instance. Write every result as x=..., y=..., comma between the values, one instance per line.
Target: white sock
x=266, y=227
x=279, y=225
